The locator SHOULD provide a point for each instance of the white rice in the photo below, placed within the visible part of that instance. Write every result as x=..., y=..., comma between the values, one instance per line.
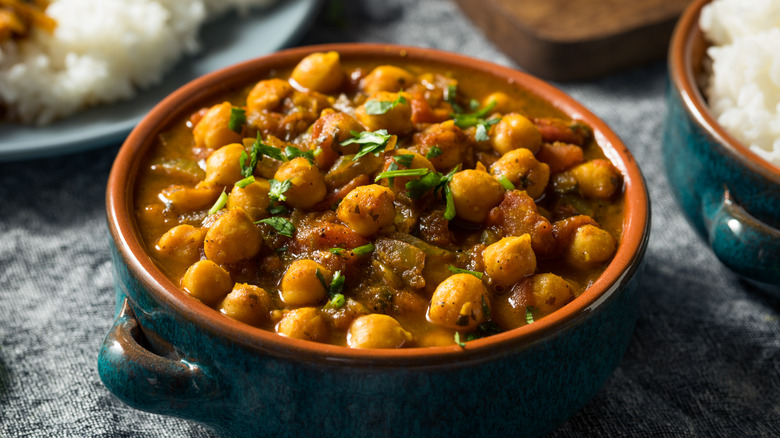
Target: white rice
x=744, y=88
x=101, y=51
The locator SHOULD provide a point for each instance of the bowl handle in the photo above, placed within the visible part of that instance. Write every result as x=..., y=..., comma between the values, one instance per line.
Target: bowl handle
x=748, y=246
x=147, y=381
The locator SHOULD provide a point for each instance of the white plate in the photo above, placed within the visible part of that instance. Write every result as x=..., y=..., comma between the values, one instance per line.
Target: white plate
x=227, y=41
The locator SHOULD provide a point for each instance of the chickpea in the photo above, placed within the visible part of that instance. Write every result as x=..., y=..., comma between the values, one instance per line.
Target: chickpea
x=452, y=142
x=387, y=78
x=515, y=131
x=305, y=323
x=186, y=199
x=182, y=242
x=503, y=102
x=397, y=120
x=367, y=209
x=377, y=331
x=597, y=178
x=319, y=72
x=223, y=166
x=268, y=95
x=253, y=199
x=232, y=237
x=523, y=170
x=538, y=295
x=550, y=292
x=474, y=193
x=213, y=132
x=246, y=303
x=327, y=134
x=206, y=281
x=510, y=259
x=457, y=303
x=308, y=185
x=590, y=246
x=301, y=286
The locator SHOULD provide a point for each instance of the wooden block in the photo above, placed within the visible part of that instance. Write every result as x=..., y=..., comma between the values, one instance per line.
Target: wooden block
x=569, y=40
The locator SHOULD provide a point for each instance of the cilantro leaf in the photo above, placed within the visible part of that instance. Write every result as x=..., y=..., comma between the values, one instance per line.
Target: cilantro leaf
x=337, y=251
x=460, y=343
x=373, y=142
x=282, y=225
x=482, y=129
x=451, y=96
x=220, y=204
x=237, y=119
x=277, y=189
x=376, y=107
x=404, y=159
x=362, y=250
x=456, y=270
x=529, y=314
x=473, y=119
x=505, y=183
x=402, y=172
x=291, y=152
x=245, y=182
x=434, y=152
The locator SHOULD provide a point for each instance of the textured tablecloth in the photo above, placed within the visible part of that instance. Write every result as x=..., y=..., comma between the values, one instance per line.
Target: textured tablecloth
x=704, y=359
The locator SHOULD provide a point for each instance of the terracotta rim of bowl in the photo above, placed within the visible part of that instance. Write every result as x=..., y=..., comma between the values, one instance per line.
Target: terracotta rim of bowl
x=686, y=33
x=126, y=236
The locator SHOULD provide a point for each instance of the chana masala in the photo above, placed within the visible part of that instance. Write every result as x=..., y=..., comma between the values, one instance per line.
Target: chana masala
x=380, y=206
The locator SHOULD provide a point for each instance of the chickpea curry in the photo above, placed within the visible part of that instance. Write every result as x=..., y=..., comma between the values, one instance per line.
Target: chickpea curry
x=380, y=206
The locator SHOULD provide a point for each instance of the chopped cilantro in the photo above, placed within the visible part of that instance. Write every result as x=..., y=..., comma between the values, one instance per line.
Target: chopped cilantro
x=529, y=314
x=282, y=225
x=373, y=142
x=337, y=285
x=482, y=129
x=458, y=341
x=237, y=119
x=245, y=182
x=220, y=204
x=505, y=183
x=291, y=152
x=337, y=251
x=456, y=270
x=402, y=172
x=321, y=278
x=451, y=96
x=362, y=250
x=404, y=159
x=336, y=302
x=434, y=152
x=449, y=209
x=376, y=107
x=276, y=192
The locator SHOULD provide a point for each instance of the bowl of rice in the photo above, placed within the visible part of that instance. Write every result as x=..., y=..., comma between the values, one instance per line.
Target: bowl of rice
x=721, y=141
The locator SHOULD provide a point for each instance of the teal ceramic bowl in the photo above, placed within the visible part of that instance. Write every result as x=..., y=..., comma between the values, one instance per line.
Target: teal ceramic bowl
x=170, y=354
x=730, y=195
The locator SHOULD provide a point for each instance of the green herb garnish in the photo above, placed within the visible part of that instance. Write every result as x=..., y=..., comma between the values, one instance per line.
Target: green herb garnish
x=482, y=129
x=456, y=270
x=450, y=96
x=337, y=251
x=245, y=182
x=376, y=107
x=458, y=341
x=336, y=302
x=402, y=172
x=334, y=290
x=237, y=119
x=282, y=225
x=292, y=152
x=404, y=159
x=277, y=189
x=362, y=250
x=373, y=142
x=529, y=314
x=434, y=152
x=505, y=183
x=220, y=204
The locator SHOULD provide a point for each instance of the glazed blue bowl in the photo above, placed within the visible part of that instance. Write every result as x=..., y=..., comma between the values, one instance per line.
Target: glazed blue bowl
x=729, y=194
x=170, y=354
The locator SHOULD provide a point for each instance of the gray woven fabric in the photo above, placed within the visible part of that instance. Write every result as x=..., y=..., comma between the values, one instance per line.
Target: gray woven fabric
x=704, y=360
